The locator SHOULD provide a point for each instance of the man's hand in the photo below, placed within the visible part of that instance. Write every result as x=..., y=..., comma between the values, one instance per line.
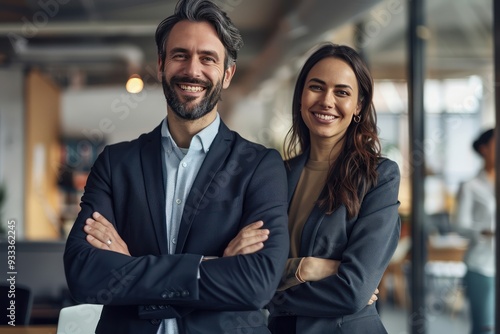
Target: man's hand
x=102, y=234
x=249, y=240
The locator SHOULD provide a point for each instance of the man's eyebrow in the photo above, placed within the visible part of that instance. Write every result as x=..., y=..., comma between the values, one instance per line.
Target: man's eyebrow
x=210, y=53
x=202, y=52
x=177, y=50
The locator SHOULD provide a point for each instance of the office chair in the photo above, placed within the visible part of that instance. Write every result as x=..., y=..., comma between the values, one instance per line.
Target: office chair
x=80, y=319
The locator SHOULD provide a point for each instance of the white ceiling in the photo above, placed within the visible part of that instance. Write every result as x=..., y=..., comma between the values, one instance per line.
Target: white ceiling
x=98, y=42
x=95, y=44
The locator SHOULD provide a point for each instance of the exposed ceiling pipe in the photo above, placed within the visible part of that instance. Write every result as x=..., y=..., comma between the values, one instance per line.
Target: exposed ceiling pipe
x=132, y=55
x=299, y=31
x=29, y=29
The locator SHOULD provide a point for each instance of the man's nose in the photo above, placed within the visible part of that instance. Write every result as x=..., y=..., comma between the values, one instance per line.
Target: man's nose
x=192, y=68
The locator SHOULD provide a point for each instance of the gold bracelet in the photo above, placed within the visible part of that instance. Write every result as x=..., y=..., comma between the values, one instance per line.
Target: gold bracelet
x=297, y=272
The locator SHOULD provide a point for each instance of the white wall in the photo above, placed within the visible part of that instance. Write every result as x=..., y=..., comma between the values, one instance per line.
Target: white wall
x=116, y=115
x=111, y=113
x=12, y=145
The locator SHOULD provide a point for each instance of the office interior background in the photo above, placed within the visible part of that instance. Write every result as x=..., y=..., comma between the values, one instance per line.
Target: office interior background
x=64, y=66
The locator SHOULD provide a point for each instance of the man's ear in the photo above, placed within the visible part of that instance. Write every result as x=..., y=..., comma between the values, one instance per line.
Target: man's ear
x=228, y=75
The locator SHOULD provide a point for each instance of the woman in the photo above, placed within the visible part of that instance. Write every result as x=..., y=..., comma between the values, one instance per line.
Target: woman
x=343, y=201
x=475, y=219
x=344, y=223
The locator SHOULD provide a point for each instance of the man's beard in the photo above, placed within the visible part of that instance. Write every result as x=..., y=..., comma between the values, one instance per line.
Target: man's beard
x=207, y=103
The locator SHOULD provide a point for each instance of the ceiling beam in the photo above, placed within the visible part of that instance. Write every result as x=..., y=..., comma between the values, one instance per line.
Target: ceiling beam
x=59, y=29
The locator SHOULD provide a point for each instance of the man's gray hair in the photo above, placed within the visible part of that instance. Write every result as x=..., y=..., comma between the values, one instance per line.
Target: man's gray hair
x=202, y=11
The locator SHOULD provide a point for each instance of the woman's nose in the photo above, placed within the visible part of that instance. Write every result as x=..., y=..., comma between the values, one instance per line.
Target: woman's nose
x=327, y=100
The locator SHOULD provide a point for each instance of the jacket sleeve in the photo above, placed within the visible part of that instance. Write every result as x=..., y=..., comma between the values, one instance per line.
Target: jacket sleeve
x=371, y=244
x=234, y=283
x=289, y=277
x=250, y=281
x=106, y=277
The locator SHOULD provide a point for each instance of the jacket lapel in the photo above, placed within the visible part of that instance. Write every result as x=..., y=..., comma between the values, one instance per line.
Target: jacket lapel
x=215, y=159
x=296, y=165
x=152, y=163
x=310, y=230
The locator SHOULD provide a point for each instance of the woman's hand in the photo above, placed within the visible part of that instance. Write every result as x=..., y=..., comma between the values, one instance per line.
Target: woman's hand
x=103, y=235
x=373, y=298
x=249, y=240
x=314, y=268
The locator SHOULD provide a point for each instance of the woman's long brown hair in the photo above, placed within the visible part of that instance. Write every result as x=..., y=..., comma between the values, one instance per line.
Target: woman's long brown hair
x=354, y=171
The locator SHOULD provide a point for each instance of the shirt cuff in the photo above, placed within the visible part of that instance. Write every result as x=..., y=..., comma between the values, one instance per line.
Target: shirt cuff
x=205, y=258
x=289, y=277
x=297, y=272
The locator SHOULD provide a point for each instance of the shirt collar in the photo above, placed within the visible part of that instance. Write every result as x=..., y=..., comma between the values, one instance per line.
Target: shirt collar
x=201, y=141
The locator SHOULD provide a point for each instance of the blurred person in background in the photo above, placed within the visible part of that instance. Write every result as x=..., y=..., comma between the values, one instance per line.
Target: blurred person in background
x=474, y=218
x=343, y=201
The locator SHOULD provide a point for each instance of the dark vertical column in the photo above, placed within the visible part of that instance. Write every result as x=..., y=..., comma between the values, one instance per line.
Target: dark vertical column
x=359, y=40
x=416, y=78
x=496, y=37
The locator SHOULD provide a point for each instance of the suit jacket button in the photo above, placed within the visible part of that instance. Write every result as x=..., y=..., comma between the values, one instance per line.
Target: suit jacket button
x=171, y=295
x=153, y=307
x=155, y=321
x=161, y=307
x=164, y=295
x=177, y=294
x=185, y=293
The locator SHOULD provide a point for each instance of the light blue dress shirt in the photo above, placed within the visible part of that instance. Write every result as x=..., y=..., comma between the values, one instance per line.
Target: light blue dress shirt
x=180, y=168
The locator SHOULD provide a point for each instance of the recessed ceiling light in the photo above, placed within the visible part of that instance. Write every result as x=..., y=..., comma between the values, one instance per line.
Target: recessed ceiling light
x=134, y=84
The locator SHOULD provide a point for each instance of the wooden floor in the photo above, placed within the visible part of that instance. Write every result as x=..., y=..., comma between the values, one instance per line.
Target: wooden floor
x=28, y=329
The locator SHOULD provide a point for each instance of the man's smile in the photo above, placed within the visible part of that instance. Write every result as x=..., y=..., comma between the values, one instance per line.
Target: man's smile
x=189, y=88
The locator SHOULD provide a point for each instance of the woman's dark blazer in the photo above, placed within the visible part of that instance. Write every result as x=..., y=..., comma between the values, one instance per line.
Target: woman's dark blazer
x=363, y=244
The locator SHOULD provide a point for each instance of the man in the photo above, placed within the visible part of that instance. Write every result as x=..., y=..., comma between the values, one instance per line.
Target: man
x=156, y=210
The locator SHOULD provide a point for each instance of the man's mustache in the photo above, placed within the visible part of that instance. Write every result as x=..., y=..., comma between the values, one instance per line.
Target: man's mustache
x=186, y=79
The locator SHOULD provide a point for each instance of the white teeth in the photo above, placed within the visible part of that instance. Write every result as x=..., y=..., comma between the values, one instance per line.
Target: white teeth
x=191, y=88
x=325, y=117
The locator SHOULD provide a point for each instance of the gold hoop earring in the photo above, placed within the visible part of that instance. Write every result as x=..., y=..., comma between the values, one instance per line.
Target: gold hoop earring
x=356, y=118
